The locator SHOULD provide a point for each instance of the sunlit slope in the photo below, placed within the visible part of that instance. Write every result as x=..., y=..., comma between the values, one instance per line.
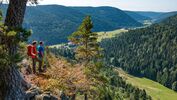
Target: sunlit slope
x=110, y=34
x=101, y=36
x=154, y=89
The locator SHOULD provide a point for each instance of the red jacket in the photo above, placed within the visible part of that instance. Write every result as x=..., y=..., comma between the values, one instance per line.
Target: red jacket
x=34, y=52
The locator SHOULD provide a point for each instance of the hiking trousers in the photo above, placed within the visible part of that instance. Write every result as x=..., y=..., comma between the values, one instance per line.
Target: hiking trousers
x=40, y=64
x=34, y=60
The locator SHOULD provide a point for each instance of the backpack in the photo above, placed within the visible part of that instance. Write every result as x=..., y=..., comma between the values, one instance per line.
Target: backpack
x=29, y=48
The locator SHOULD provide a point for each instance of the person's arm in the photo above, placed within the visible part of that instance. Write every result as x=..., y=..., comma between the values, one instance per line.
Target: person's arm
x=32, y=52
x=42, y=52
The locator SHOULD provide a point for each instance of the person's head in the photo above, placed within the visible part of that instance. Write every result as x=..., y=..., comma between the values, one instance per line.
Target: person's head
x=34, y=43
x=41, y=43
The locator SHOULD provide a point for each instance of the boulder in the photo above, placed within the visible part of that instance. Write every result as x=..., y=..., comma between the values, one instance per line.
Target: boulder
x=32, y=92
x=45, y=97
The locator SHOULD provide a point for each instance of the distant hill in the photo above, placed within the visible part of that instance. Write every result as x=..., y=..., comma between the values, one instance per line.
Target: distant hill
x=148, y=52
x=152, y=15
x=110, y=15
x=138, y=17
x=165, y=15
x=54, y=23
x=155, y=16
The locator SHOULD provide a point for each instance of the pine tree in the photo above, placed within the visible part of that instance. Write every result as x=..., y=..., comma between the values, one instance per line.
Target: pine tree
x=87, y=46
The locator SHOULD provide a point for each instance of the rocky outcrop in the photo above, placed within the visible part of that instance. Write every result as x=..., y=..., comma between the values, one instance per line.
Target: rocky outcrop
x=34, y=93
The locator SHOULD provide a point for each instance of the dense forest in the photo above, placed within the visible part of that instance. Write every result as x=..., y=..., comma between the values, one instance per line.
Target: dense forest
x=148, y=52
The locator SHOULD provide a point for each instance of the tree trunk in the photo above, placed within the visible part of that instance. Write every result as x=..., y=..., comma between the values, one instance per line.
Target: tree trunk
x=14, y=19
x=15, y=13
x=11, y=82
x=11, y=86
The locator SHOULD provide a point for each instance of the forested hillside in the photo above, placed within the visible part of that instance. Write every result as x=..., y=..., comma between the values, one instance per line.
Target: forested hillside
x=113, y=16
x=149, y=52
x=54, y=23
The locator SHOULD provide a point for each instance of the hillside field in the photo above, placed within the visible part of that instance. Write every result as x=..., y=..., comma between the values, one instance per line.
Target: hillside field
x=101, y=36
x=154, y=89
x=110, y=34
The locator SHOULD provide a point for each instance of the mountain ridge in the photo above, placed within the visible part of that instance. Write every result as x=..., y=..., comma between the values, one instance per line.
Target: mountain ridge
x=56, y=22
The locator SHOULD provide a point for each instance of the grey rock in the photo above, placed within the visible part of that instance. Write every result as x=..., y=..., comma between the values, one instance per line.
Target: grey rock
x=45, y=97
x=53, y=98
x=34, y=93
x=38, y=97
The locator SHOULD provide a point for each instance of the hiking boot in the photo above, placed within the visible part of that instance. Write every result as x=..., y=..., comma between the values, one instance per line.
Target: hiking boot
x=40, y=70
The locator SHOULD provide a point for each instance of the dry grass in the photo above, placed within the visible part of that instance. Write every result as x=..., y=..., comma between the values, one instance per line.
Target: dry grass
x=63, y=76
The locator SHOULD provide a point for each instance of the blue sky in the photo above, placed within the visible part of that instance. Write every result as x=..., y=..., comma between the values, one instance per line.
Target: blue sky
x=134, y=5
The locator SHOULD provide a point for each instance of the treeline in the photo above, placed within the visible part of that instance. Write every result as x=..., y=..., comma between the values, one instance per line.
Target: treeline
x=149, y=52
x=64, y=51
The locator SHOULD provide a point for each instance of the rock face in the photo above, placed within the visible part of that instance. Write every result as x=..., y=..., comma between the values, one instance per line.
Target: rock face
x=34, y=93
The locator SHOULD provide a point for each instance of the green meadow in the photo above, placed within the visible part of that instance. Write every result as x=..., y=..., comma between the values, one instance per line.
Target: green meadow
x=154, y=89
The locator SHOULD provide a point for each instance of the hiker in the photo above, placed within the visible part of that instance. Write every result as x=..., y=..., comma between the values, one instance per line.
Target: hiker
x=40, y=49
x=32, y=52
